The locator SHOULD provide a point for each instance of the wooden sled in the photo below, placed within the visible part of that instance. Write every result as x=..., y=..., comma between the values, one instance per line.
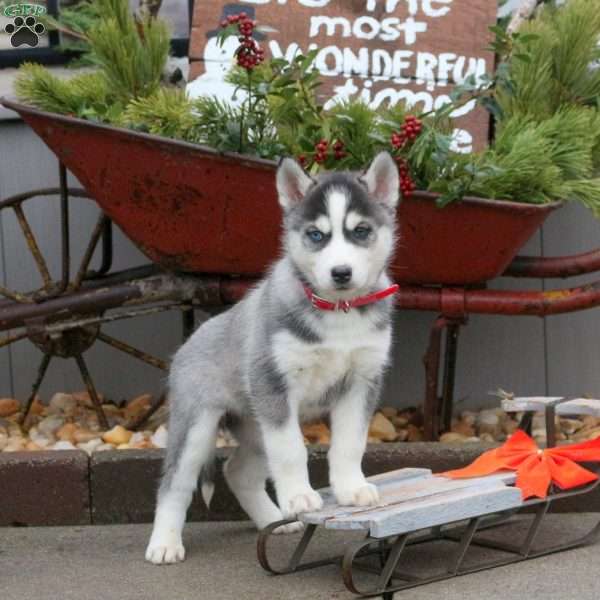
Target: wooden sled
x=418, y=507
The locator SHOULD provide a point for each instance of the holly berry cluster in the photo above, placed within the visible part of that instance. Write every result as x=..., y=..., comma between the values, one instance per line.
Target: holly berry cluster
x=409, y=131
x=407, y=185
x=322, y=152
x=249, y=54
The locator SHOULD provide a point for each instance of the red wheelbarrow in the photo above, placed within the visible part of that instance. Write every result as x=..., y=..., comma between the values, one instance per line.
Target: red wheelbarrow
x=210, y=224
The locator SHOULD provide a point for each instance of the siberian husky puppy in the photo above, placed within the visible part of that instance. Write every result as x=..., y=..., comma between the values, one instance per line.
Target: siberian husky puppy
x=313, y=338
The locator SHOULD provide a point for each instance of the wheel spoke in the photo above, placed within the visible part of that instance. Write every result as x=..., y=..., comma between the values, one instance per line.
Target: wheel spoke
x=135, y=425
x=36, y=386
x=32, y=245
x=11, y=339
x=89, y=384
x=64, y=229
x=128, y=349
x=101, y=224
x=16, y=296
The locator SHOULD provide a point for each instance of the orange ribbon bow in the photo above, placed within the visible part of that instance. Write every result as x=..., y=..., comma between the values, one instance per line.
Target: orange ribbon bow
x=535, y=468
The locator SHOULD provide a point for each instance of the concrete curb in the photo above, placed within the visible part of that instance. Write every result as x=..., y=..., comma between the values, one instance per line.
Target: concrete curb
x=69, y=488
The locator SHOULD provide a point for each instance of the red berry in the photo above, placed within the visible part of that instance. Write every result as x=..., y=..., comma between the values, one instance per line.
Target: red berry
x=224, y=23
x=243, y=15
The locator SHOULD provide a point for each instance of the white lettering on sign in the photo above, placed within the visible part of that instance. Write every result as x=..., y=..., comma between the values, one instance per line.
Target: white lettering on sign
x=361, y=67
x=308, y=3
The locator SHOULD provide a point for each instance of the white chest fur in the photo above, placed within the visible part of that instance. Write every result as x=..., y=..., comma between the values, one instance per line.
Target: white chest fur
x=350, y=345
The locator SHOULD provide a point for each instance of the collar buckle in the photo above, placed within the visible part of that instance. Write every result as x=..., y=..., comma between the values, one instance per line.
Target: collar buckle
x=344, y=305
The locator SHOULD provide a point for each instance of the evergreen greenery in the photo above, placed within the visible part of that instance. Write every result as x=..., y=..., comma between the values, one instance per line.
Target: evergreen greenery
x=544, y=96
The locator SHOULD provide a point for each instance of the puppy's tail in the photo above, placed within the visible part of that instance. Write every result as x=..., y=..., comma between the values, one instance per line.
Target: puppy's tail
x=207, y=479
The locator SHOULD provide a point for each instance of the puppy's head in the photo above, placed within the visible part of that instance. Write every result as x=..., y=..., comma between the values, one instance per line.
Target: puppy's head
x=340, y=227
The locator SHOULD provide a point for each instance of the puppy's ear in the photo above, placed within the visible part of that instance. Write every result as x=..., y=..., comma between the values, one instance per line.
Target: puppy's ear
x=382, y=180
x=292, y=183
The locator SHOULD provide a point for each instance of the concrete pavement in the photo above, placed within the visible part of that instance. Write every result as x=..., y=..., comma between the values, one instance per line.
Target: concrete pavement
x=106, y=563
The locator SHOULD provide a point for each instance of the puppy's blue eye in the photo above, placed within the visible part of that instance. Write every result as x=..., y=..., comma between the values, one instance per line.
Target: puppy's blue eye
x=315, y=235
x=361, y=232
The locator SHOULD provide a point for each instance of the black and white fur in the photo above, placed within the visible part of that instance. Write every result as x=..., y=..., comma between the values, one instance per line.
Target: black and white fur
x=274, y=360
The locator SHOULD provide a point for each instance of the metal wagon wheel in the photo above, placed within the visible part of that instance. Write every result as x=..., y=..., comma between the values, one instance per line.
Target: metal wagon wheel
x=63, y=317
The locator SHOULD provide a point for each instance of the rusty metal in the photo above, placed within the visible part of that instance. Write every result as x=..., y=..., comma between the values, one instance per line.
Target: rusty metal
x=188, y=322
x=449, y=377
x=201, y=213
x=107, y=251
x=132, y=351
x=97, y=233
x=34, y=388
x=98, y=298
x=89, y=384
x=65, y=238
x=554, y=267
x=16, y=296
x=67, y=343
x=11, y=339
x=40, y=193
x=32, y=245
x=60, y=326
x=431, y=361
x=505, y=302
x=141, y=421
x=436, y=406
x=294, y=563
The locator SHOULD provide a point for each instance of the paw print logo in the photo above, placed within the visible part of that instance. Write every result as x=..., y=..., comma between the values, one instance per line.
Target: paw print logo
x=24, y=31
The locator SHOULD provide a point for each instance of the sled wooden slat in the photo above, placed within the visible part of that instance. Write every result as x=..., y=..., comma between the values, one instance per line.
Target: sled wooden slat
x=576, y=406
x=399, y=487
x=436, y=509
x=387, y=483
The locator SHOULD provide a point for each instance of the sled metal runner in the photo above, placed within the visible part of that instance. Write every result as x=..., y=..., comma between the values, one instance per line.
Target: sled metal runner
x=389, y=534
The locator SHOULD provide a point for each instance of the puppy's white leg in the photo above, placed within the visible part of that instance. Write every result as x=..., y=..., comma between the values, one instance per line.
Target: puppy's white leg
x=186, y=455
x=287, y=459
x=246, y=473
x=349, y=429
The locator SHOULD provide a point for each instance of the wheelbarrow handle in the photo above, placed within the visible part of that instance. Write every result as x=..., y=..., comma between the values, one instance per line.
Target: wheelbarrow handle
x=460, y=302
x=559, y=266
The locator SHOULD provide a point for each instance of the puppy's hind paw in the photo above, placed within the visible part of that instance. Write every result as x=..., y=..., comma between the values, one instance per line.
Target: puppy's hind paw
x=306, y=501
x=165, y=554
x=289, y=528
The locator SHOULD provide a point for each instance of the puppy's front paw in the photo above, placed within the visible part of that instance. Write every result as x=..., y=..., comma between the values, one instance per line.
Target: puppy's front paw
x=306, y=501
x=365, y=494
x=165, y=552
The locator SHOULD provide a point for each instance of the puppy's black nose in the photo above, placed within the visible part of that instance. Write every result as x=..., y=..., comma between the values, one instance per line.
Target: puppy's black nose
x=342, y=274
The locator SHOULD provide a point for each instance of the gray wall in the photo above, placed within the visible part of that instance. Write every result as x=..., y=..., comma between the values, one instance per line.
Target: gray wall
x=559, y=355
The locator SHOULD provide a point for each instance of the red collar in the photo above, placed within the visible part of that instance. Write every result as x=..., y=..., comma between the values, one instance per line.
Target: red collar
x=346, y=305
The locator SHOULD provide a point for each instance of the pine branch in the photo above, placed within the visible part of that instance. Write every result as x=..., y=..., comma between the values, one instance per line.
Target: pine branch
x=522, y=13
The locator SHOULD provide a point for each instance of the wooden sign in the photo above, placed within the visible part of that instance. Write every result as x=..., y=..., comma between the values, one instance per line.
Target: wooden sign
x=381, y=51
